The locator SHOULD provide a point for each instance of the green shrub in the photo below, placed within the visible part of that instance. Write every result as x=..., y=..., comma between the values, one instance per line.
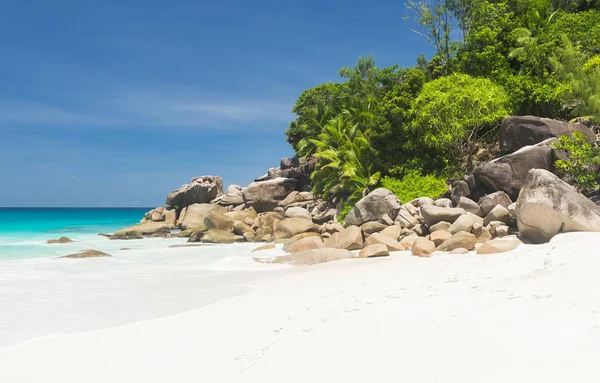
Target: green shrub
x=346, y=208
x=414, y=185
x=580, y=168
x=455, y=112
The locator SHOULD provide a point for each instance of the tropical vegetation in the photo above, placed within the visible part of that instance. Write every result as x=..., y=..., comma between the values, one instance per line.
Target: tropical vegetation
x=409, y=128
x=580, y=164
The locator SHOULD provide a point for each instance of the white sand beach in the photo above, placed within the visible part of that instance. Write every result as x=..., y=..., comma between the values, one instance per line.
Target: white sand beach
x=531, y=315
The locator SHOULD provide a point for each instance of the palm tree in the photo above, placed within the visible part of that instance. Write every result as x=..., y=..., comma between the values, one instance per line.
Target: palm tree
x=322, y=114
x=346, y=160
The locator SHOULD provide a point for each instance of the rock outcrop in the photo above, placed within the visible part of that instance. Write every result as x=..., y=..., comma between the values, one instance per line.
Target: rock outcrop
x=520, y=131
x=278, y=207
x=297, y=168
x=266, y=195
x=548, y=206
x=509, y=173
x=373, y=206
x=201, y=189
x=150, y=229
x=233, y=197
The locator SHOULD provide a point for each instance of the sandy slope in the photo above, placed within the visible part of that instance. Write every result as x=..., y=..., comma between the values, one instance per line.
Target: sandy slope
x=528, y=316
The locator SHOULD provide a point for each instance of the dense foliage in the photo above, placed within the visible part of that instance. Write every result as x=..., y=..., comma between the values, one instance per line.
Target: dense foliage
x=454, y=112
x=381, y=125
x=414, y=185
x=345, y=209
x=346, y=160
x=581, y=161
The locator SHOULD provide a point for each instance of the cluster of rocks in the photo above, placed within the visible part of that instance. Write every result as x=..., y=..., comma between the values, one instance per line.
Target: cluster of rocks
x=204, y=212
x=526, y=143
x=380, y=224
x=514, y=194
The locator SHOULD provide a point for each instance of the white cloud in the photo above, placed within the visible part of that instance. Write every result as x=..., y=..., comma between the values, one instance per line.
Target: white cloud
x=14, y=111
x=139, y=109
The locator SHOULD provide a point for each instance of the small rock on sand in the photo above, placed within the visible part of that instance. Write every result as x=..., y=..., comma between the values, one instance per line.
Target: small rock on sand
x=60, y=240
x=270, y=246
x=89, y=253
x=374, y=250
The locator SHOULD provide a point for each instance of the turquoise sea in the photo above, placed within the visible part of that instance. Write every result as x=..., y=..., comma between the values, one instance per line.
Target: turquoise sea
x=42, y=294
x=24, y=231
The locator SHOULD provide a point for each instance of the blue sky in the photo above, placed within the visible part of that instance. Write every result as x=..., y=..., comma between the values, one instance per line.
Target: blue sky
x=117, y=102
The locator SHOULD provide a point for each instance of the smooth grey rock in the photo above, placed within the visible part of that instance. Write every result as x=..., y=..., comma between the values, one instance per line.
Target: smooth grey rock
x=443, y=225
x=490, y=201
x=498, y=213
x=373, y=206
x=443, y=202
x=372, y=227
x=266, y=195
x=422, y=247
x=297, y=212
x=423, y=201
x=548, y=206
x=499, y=246
x=435, y=214
x=520, y=131
x=509, y=173
x=379, y=238
x=463, y=223
x=374, y=250
x=470, y=206
x=459, y=240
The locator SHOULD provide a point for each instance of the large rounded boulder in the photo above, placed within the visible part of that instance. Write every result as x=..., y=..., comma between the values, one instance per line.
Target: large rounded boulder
x=193, y=215
x=266, y=195
x=374, y=206
x=548, y=206
x=433, y=214
x=201, y=189
x=509, y=173
x=519, y=131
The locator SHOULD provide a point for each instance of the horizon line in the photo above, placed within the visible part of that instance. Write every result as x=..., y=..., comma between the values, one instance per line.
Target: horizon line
x=77, y=207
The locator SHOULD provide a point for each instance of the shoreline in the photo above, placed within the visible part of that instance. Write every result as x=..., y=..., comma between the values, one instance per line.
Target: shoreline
x=150, y=280
x=529, y=313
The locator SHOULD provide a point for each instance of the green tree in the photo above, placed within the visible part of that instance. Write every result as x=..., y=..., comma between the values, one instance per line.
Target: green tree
x=580, y=165
x=346, y=165
x=581, y=80
x=575, y=5
x=453, y=113
x=435, y=18
x=314, y=108
x=582, y=29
